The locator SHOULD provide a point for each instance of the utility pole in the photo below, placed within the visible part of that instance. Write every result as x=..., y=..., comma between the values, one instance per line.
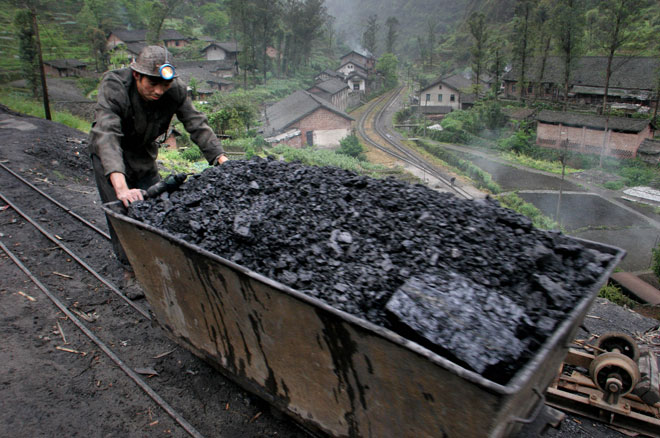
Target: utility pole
x=44, y=87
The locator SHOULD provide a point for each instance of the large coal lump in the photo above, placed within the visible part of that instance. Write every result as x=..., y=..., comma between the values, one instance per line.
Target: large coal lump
x=359, y=243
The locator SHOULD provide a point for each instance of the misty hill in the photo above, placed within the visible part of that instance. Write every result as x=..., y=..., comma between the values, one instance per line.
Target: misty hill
x=414, y=16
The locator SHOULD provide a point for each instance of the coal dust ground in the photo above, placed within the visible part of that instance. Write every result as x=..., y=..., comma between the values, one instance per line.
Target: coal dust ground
x=388, y=251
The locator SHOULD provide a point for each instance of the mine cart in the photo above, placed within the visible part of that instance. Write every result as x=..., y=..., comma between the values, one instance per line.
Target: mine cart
x=334, y=373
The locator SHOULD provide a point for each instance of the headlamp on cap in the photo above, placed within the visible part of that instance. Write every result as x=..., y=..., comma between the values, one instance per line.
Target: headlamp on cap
x=166, y=71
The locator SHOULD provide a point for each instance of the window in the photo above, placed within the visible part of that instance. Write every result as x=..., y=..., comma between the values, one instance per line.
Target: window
x=452, y=98
x=439, y=97
x=530, y=88
x=356, y=86
x=439, y=87
x=513, y=88
x=428, y=97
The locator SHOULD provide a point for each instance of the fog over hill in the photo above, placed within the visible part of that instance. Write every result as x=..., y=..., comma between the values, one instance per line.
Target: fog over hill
x=414, y=18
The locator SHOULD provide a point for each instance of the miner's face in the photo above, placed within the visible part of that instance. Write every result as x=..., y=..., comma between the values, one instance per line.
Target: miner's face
x=151, y=88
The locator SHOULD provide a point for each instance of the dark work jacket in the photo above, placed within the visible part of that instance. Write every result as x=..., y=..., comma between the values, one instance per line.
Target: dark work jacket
x=126, y=126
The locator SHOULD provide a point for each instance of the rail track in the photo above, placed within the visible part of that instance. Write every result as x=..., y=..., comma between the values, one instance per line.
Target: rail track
x=86, y=294
x=386, y=143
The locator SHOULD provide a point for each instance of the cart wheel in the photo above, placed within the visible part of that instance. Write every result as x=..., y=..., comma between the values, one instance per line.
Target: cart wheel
x=614, y=374
x=619, y=343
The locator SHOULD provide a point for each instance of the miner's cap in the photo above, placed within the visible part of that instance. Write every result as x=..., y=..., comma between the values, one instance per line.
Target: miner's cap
x=154, y=61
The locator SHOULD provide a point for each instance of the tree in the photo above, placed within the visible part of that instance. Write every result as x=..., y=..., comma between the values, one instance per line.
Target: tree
x=522, y=44
x=431, y=26
x=387, y=66
x=369, y=36
x=352, y=147
x=27, y=48
x=497, y=62
x=568, y=25
x=615, y=31
x=392, y=23
x=542, y=24
x=478, y=30
x=215, y=20
x=159, y=11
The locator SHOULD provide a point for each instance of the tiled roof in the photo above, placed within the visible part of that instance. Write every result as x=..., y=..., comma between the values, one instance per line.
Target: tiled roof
x=331, y=86
x=65, y=63
x=294, y=107
x=649, y=147
x=627, y=72
x=230, y=46
x=622, y=124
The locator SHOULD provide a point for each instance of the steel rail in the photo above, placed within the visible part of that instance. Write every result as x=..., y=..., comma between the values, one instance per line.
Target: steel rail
x=422, y=164
x=107, y=350
x=81, y=262
x=56, y=202
x=407, y=156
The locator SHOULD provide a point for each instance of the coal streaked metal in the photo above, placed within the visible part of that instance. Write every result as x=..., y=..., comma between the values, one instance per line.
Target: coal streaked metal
x=332, y=372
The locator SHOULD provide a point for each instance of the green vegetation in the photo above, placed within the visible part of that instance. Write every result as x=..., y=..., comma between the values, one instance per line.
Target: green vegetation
x=22, y=103
x=516, y=203
x=655, y=264
x=352, y=147
x=323, y=157
x=527, y=161
x=615, y=295
x=481, y=178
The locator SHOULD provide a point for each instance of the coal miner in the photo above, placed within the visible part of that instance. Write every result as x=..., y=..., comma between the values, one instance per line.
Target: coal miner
x=135, y=106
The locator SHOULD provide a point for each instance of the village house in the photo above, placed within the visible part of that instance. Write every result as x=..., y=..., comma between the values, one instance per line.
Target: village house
x=216, y=51
x=65, y=68
x=631, y=85
x=368, y=62
x=358, y=81
x=205, y=82
x=349, y=67
x=328, y=74
x=302, y=119
x=447, y=94
x=585, y=133
x=333, y=90
x=169, y=37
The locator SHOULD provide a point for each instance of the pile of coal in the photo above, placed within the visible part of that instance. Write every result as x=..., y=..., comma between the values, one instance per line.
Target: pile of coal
x=470, y=279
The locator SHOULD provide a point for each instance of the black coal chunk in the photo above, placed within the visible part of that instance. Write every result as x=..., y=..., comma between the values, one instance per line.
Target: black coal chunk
x=360, y=244
x=451, y=313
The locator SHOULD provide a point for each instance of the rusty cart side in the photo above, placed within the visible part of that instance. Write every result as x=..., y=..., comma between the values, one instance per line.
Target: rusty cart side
x=332, y=372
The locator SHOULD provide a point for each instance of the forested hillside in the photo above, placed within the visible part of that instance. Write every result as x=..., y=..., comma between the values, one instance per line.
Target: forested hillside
x=437, y=32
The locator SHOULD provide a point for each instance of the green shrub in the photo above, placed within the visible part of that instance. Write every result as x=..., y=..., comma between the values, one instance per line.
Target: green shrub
x=521, y=142
x=516, y=203
x=193, y=153
x=352, y=147
x=655, y=264
x=615, y=295
x=614, y=185
x=637, y=175
x=481, y=178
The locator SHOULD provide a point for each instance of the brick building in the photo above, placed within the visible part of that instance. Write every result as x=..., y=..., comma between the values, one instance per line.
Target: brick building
x=585, y=133
x=303, y=119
